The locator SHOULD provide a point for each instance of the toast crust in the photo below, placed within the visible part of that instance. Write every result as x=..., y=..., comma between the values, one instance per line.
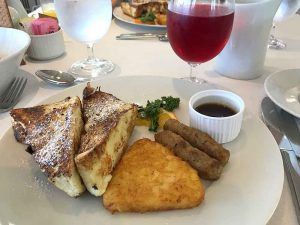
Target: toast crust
x=53, y=134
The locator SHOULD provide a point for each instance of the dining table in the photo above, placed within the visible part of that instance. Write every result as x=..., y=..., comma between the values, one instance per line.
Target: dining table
x=156, y=58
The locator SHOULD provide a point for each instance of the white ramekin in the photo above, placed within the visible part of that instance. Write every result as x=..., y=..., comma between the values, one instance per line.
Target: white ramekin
x=222, y=129
x=45, y=47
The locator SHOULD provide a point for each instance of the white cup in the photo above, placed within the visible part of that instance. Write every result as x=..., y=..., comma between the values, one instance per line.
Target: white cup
x=47, y=46
x=222, y=129
x=244, y=55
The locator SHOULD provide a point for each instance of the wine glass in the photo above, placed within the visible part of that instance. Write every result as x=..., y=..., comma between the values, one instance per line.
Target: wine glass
x=198, y=30
x=286, y=9
x=86, y=21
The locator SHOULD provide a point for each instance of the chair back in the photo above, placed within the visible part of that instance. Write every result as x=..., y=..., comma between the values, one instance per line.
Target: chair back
x=5, y=19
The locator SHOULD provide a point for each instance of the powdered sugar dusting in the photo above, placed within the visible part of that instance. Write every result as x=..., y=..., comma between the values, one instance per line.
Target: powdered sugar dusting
x=101, y=112
x=109, y=108
x=58, y=146
x=50, y=138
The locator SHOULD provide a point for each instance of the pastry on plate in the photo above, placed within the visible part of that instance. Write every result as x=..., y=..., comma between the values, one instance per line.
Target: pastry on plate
x=149, y=177
x=136, y=9
x=53, y=132
x=109, y=123
x=146, y=11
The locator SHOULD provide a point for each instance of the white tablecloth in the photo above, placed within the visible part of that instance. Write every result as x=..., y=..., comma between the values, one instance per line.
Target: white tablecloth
x=151, y=57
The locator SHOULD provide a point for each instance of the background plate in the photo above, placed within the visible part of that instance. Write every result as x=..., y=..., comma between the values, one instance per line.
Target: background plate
x=283, y=88
x=247, y=193
x=118, y=13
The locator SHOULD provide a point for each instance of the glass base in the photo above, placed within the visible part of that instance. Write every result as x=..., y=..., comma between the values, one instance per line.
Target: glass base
x=275, y=43
x=194, y=80
x=91, y=68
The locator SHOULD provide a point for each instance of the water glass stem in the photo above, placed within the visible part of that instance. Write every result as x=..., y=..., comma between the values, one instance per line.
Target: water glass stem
x=272, y=33
x=194, y=73
x=90, y=49
x=273, y=41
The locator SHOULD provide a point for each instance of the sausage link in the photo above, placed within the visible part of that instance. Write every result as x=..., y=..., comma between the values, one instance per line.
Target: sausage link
x=207, y=167
x=199, y=140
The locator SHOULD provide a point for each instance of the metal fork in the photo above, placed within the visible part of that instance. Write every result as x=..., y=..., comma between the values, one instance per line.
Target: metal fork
x=12, y=94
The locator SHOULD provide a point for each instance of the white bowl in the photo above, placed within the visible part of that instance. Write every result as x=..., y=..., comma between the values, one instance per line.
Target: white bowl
x=222, y=129
x=14, y=44
x=47, y=46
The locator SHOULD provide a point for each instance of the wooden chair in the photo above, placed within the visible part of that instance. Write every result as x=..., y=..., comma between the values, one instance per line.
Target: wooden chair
x=5, y=20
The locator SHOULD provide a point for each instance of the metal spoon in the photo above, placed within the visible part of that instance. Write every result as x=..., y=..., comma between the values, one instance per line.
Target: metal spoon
x=58, y=78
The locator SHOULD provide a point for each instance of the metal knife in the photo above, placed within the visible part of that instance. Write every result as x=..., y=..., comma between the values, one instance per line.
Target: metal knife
x=291, y=130
x=284, y=122
x=136, y=36
x=276, y=122
x=149, y=34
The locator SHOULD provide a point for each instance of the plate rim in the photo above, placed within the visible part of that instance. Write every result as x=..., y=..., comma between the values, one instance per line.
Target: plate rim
x=271, y=96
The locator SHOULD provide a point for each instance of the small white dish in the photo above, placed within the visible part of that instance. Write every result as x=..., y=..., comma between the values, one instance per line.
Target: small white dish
x=14, y=44
x=118, y=13
x=222, y=129
x=283, y=88
x=45, y=47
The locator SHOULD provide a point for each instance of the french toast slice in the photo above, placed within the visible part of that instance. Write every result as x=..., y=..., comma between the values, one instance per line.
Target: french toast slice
x=132, y=10
x=53, y=133
x=109, y=123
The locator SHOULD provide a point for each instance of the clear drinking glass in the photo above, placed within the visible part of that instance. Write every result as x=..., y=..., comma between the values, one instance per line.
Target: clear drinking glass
x=86, y=21
x=48, y=7
x=286, y=9
x=198, y=30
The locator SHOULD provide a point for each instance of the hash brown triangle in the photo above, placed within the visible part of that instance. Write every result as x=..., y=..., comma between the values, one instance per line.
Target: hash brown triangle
x=149, y=177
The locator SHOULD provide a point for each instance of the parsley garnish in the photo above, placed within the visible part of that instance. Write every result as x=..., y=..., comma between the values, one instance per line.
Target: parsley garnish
x=153, y=109
x=148, y=17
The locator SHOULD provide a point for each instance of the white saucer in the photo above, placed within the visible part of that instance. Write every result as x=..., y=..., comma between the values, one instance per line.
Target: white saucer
x=283, y=88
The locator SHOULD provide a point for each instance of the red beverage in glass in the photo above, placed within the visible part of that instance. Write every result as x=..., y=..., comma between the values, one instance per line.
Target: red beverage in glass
x=197, y=34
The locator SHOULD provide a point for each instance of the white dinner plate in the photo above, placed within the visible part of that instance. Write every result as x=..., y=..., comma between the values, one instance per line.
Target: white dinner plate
x=283, y=88
x=118, y=13
x=247, y=192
